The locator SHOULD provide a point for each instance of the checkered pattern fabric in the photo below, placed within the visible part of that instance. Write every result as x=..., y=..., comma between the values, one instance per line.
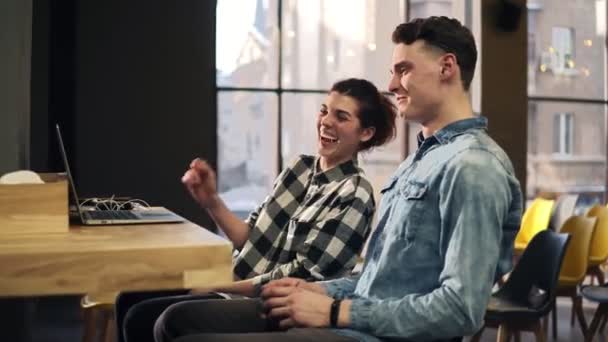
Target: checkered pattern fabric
x=312, y=226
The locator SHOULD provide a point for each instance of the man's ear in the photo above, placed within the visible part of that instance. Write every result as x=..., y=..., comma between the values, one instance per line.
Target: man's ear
x=367, y=133
x=447, y=66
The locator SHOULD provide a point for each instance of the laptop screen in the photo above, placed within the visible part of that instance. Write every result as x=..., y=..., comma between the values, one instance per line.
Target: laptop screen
x=64, y=156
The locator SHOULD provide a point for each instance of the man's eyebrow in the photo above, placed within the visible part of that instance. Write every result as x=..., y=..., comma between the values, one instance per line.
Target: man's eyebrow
x=400, y=65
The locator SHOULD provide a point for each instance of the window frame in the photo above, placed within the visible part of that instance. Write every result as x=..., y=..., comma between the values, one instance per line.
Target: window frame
x=279, y=90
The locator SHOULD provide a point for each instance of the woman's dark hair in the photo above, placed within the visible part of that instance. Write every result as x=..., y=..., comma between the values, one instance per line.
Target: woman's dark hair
x=375, y=110
x=444, y=33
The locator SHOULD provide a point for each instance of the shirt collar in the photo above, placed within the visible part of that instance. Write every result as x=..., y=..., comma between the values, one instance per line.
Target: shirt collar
x=336, y=173
x=444, y=135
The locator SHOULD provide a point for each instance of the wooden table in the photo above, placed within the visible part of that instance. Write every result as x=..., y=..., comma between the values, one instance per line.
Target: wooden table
x=109, y=259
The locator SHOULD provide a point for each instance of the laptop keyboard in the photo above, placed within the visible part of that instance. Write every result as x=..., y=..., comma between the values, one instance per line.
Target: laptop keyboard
x=111, y=215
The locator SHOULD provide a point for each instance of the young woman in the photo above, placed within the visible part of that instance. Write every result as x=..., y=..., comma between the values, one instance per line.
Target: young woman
x=312, y=225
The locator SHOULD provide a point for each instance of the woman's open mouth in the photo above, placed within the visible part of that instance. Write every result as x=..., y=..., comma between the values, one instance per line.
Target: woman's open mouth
x=328, y=140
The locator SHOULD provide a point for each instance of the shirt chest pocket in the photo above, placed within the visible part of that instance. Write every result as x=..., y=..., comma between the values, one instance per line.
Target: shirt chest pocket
x=304, y=221
x=410, y=208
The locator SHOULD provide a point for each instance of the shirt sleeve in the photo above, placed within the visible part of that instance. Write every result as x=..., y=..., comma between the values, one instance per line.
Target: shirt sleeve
x=333, y=242
x=473, y=204
x=340, y=288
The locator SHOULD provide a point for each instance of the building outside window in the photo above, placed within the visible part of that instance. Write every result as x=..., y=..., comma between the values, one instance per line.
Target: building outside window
x=562, y=50
x=276, y=60
x=563, y=133
x=567, y=98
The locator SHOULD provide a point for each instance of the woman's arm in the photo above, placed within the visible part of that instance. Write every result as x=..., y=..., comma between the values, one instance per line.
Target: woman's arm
x=201, y=183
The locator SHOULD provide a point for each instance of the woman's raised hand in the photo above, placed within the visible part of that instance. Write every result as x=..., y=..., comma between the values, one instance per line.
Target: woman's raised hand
x=200, y=181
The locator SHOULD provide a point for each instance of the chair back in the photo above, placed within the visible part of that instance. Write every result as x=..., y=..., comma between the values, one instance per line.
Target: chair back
x=576, y=260
x=564, y=208
x=598, y=251
x=537, y=271
x=535, y=219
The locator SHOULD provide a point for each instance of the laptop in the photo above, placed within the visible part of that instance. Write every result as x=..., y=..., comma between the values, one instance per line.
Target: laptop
x=113, y=217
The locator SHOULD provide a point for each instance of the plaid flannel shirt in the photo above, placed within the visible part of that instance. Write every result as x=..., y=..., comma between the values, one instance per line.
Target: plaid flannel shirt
x=312, y=226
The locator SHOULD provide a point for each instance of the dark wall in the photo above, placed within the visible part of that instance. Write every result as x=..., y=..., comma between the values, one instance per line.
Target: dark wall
x=15, y=31
x=133, y=83
x=504, y=79
x=52, y=81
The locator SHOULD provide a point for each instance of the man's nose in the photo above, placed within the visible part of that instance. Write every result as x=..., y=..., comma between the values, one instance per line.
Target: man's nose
x=393, y=83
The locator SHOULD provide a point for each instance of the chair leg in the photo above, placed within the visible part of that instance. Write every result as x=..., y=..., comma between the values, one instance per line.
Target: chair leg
x=578, y=306
x=604, y=323
x=572, y=311
x=477, y=336
x=90, y=324
x=597, y=273
x=554, y=318
x=503, y=333
x=538, y=332
x=104, y=324
x=600, y=276
x=600, y=314
x=110, y=328
x=517, y=336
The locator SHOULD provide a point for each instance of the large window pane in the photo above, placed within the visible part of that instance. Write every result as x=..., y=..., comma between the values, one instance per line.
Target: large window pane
x=566, y=149
x=324, y=41
x=247, y=133
x=299, y=132
x=427, y=8
x=247, y=43
x=566, y=48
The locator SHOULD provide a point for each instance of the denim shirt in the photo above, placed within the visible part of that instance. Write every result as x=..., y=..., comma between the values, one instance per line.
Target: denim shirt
x=446, y=226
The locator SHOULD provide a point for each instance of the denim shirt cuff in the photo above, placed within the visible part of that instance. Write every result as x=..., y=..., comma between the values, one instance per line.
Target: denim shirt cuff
x=361, y=314
x=335, y=289
x=330, y=288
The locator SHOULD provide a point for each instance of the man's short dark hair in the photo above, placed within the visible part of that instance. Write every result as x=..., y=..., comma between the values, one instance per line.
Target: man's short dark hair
x=444, y=33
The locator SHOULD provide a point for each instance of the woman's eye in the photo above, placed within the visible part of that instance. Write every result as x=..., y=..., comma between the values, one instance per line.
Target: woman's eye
x=323, y=111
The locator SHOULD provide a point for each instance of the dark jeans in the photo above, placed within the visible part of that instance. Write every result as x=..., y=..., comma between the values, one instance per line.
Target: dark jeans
x=136, y=312
x=229, y=320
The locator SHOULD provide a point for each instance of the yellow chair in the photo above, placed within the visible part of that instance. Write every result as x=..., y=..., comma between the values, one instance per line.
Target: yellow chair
x=574, y=266
x=598, y=253
x=536, y=218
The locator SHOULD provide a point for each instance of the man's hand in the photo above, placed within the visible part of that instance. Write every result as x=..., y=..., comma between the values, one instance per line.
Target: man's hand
x=294, y=282
x=200, y=182
x=295, y=306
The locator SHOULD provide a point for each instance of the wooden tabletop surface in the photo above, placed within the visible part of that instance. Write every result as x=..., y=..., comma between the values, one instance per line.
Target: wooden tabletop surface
x=101, y=259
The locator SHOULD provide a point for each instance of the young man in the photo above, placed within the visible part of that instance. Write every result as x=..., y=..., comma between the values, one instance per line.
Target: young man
x=445, y=230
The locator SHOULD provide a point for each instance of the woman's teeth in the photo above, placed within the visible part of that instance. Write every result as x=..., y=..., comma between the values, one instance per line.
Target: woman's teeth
x=331, y=140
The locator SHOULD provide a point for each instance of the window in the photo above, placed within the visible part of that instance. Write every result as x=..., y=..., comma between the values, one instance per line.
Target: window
x=563, y=133
x=532, y=127
x=275, y=60
x=568, y=107
x=562, y=50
